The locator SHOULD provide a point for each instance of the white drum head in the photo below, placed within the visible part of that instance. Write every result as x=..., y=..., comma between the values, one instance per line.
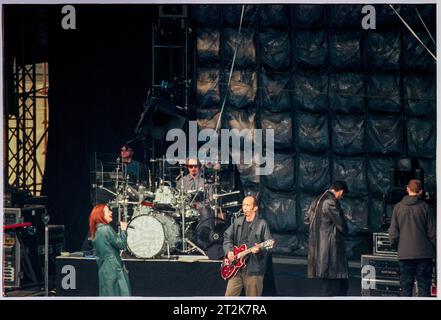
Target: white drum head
x=145, y=236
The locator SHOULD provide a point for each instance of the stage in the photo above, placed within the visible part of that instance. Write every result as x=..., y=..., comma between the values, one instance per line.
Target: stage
x=78, y=276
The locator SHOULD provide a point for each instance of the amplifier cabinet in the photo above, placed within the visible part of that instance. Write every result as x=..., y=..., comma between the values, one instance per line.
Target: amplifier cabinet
x=11, y=250
x=384, y=281
x=386, y=267
x=33, y=242
x=387, y=276
x=382, y=245
x=383, y=288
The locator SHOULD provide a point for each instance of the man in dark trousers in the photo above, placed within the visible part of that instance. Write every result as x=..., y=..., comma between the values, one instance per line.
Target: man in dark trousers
x=326, y=247
x=249, y=230
x=413, y=231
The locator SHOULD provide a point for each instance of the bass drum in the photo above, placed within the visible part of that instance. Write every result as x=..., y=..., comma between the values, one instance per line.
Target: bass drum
x=149, y=236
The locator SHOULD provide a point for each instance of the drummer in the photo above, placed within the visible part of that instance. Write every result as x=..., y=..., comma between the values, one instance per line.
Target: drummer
x=194, y=182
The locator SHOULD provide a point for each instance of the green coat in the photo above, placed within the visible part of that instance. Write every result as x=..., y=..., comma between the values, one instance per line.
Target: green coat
x=112, y=274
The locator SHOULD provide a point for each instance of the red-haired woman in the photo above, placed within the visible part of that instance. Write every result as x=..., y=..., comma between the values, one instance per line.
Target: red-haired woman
x=112, y=274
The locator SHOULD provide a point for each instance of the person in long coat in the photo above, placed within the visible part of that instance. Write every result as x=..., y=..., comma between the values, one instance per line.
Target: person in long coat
x=112, y=274
x=326, y=246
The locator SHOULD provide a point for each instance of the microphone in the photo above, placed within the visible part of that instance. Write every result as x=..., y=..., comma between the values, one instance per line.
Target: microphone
x=236, y=215
x=239, y=213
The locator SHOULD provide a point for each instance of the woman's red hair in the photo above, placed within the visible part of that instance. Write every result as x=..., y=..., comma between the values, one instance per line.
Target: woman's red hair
x=96, y=216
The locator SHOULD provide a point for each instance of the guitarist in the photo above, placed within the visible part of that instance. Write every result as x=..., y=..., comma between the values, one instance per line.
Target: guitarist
x=250, y=230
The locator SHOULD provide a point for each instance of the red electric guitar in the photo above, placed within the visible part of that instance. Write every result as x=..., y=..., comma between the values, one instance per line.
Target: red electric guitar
x=230, y=268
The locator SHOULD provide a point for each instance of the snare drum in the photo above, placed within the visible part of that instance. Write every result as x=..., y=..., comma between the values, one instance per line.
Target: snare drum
x=149, y=236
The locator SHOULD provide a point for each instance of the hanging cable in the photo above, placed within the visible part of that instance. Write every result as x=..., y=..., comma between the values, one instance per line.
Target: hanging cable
x=246, y=32
x=425, y=27
x=231, y=70
x=413, y=32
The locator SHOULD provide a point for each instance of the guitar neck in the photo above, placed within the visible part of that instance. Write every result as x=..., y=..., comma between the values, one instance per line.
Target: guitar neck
x=245, y=253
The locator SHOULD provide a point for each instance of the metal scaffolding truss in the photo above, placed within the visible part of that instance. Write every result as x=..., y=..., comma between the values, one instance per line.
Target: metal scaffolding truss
x=170, y=50
x=170, y=58
x=22, y=165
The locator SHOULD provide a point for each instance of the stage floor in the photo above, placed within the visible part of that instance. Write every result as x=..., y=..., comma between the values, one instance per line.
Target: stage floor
x=78, y=276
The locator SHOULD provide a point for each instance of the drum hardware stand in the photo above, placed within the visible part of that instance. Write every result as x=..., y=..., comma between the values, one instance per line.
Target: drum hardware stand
x=150, y=181
x=125, y=196
x=153, y=171
x=181, y=206
x=195, y=247
x=45, y=220
x=121, y=200
x=217, y=207
x=163, y=168
x=168, y=250
x=105, y=189
x=117, y=172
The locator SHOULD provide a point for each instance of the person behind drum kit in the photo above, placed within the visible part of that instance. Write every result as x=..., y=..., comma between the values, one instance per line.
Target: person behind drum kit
x=194, y=181
x=112, y=274
x=135, y=170
x=249, y=229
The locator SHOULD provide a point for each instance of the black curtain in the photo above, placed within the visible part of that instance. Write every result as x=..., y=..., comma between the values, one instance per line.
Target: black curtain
x=99, y=76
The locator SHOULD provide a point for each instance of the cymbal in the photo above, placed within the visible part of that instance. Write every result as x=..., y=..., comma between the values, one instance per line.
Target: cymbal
x=167, y=160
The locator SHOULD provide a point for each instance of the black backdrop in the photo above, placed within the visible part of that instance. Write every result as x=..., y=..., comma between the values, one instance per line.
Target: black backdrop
x=99, y=78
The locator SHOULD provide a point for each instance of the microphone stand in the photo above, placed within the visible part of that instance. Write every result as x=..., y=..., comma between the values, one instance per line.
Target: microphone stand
x=138, y=131
x=117, y=173
x=45, y=220
x=181, y=208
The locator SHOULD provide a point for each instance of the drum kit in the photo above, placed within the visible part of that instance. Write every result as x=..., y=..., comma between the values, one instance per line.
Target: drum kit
x=164, y=218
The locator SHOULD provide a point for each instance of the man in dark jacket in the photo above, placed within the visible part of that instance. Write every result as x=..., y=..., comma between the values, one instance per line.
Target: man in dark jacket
x=134, y=170
x=412, y=230
x=326, y=247
x=249, y=230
